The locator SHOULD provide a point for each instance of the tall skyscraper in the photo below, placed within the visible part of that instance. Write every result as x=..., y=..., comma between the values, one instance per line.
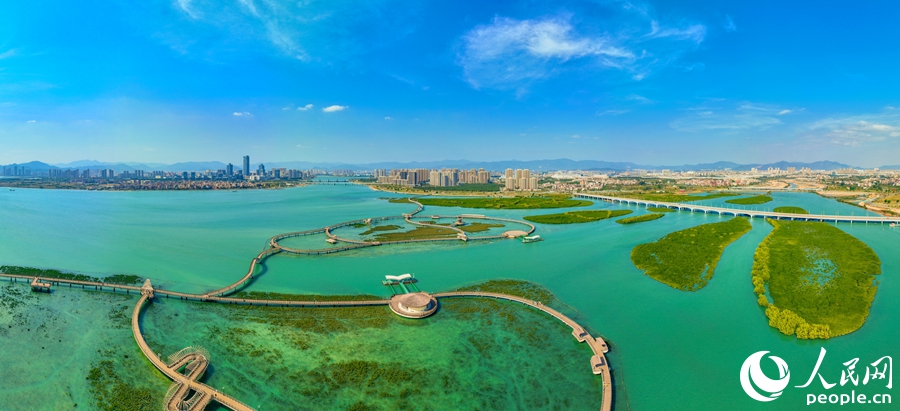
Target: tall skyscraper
x=246, y=165
x=229, y=169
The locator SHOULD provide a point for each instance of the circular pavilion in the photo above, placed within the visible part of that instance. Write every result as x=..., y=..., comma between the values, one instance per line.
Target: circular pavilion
x=413, y=305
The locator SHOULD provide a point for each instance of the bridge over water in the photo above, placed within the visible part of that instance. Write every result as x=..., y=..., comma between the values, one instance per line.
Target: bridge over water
x=743, y=212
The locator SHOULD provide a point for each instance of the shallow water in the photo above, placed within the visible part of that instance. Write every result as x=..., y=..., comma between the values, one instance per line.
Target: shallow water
x=671, y=349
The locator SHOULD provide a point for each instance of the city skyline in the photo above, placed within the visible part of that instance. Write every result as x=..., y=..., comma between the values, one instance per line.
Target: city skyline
x=654, y=82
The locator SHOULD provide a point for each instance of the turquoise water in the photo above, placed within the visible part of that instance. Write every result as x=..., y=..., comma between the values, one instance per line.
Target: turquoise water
x=670, y=349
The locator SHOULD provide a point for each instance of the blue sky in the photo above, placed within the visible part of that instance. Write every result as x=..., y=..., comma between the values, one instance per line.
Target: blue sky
x=659, y=82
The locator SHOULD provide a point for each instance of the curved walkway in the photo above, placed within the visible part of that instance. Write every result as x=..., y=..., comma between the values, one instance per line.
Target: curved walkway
x=204, y=393
x=744, y=213
x=599, y=365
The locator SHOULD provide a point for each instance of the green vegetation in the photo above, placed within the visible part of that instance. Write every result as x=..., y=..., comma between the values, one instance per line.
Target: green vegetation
x=791, y=210
x=489, y=187
x=686, y=260
x=505, y=202
x=112, y=393
x=517, y=288
x=478, y=227
x=124, y=279
x=640, y=218
x=750, y=200
x=575, y=217
x=661, y=209
x=261, y=295
x=821, y=280
x=404, y=200
x=676, y=198
x=419, y=233
x=377, y=228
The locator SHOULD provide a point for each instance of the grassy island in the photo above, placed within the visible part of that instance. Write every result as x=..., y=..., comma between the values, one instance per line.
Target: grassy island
x=790, y=210
x=821, y=280
x=686, y=260
x=661, y=209
x=501, y=202
x=517, y=288
x=478, y=227
x=418, y=233
x=750, y=200
x=575, y=217
x=640, y=218
x=377, y=228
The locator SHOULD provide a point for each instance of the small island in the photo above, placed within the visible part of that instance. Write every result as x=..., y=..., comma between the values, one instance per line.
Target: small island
x=761, y=199
x=661, y=209
x=497, y=203
x=640, y=218
x=575, y=217
x=686, y=260
x=790, y=210
x=821, y=280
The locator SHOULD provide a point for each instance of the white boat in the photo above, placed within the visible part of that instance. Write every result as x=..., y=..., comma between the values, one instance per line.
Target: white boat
x=532, y=239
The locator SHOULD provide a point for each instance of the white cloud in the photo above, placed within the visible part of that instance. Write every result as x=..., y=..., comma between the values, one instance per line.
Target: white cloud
x=508, y=53
x=388, y=118
x=639, y=98
x=576, y=136
x=185, y=6
x=302, y=146
x=785, y=111
x=31, y=121
x=9, y=53
x=304, y=108
x=729, y=24
x=694, y=32
x=334, y=108
x=242, y=114
x=722, y=116
x=854, y=131
x=611, y=112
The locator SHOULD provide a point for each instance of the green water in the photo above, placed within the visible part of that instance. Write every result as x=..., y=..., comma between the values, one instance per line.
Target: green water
x=670, y=349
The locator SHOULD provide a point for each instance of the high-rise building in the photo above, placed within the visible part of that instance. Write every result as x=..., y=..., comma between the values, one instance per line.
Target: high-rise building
x=229, y=169
x=262, y=169
x=246, y=165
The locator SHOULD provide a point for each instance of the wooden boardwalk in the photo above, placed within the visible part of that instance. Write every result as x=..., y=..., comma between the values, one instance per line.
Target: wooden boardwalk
x=599, y=365
x=179, y=396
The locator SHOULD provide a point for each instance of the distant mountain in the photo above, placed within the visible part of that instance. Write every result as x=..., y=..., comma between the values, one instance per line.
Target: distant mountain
x=537, y=165
x=33, y=165
x=889, y=167
x=721, y=165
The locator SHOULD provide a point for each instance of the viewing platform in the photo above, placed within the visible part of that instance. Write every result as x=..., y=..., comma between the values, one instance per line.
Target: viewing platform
x=38, y=286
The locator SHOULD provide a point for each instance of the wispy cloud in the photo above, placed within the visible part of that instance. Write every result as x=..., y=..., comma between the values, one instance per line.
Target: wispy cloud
x=729, y=25
x=9, y=53
x=694, y=32
x=721, y=116
x=185, y=6
x=242, y=114
x=305, y=108
x=639, y=98
x=31, y=121
x=509, y=53
x=334, y=108
x=388, y=118
x=854, y=131
x=785, y=111
x=612, y=112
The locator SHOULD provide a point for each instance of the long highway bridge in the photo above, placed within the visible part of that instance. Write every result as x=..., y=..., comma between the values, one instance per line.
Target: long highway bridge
x=737, y=212
x=187, y=393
